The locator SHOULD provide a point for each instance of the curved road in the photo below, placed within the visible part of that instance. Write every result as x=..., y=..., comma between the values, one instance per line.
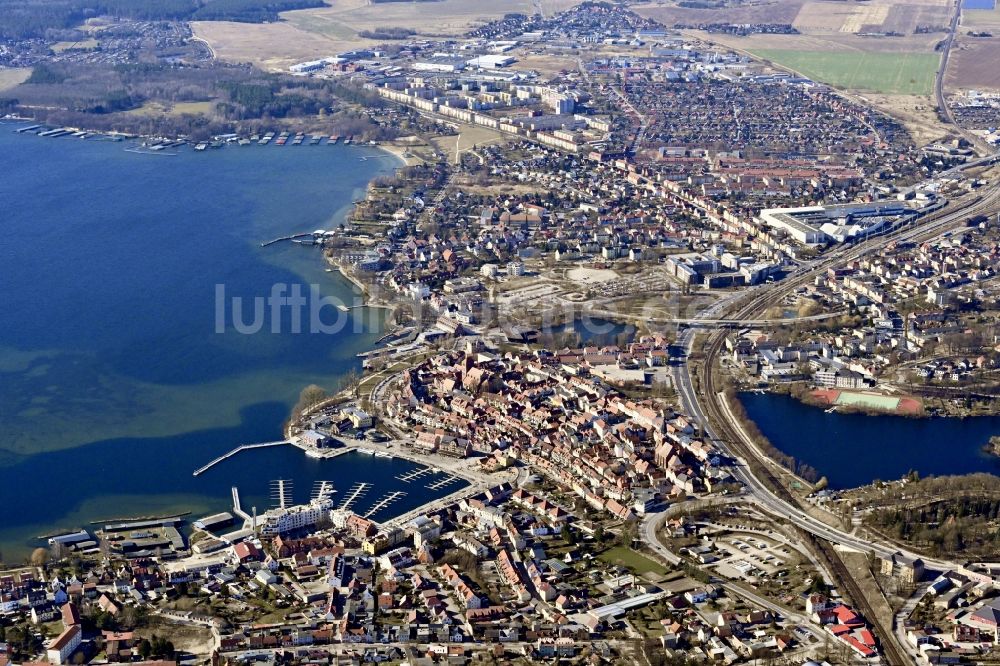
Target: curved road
x=943, y=68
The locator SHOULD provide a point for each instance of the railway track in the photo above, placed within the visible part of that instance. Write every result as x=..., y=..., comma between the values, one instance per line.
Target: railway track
x=709, y=395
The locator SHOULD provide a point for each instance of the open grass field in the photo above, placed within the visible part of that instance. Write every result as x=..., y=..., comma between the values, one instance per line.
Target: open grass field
x=308, y=34
x=11, y=77
x=83, y=44
x=176, y=109
x=271, y=46
x=470, y=137
x=904, y=73
x=344, y=18
x=630, y=559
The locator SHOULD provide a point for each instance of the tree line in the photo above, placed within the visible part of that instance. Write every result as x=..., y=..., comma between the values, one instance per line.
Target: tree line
x=387, y=33
x=943, y=515
x=242, y=99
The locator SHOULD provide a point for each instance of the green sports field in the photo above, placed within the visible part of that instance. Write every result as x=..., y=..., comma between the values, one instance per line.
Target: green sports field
x=885, y=403
x=891, y=73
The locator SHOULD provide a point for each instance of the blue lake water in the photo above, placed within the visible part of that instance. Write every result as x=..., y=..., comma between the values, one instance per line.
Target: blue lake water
x=114, y=384
x=597, y=331
x=854, y=449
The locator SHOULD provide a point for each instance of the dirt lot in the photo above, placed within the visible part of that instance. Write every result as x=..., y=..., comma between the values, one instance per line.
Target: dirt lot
x=974, y=64
x=188, y=639
x=906, y=18
x=824, y=17
x=546, y=65
x=916, y=112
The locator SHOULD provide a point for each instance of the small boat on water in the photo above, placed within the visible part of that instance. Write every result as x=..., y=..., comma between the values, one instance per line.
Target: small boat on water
x=347, y=140
x=382, y=454
x=367, y=452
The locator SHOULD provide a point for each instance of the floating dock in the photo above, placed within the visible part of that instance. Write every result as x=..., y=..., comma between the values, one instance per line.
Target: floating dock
x=413, y=475
x=384, y=502
x=441, y=483
x=356, y=491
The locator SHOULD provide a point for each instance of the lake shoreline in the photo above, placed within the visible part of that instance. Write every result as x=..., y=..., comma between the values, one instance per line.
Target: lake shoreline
x=852, y=449
x=209, y=387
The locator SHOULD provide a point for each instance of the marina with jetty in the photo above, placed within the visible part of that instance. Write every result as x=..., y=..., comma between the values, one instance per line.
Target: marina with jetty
x=158, y=145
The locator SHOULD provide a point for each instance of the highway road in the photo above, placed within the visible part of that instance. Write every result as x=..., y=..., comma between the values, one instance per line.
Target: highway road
x=939, y=93
x=943, y=67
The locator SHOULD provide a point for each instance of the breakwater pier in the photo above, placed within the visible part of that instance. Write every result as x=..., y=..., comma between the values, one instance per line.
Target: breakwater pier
x=230, y=454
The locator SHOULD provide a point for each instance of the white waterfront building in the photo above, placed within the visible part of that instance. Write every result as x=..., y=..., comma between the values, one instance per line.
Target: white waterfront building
x=279, y=521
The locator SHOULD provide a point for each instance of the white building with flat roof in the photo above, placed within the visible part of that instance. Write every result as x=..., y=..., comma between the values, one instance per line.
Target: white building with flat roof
x=812, y=225
x=279, y=521
x=491, y=61
x=792, y=222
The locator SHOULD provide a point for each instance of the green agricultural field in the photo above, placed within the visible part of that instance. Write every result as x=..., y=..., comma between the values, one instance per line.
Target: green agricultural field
x=890, y=73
